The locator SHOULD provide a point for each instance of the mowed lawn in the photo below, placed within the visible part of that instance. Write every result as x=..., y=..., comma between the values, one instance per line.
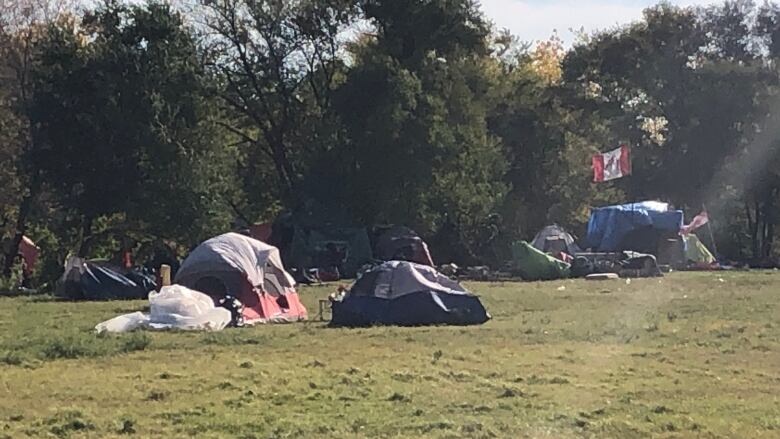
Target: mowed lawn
x=689, y=355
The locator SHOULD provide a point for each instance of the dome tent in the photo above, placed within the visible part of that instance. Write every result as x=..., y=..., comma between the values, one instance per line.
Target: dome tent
x=407, y=294
x=554, y=239
x=247, y=269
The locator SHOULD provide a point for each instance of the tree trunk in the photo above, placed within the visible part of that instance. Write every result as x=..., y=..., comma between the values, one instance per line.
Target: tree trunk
x=286, y=172
x=21, y=228
x=750, y=221
x=769, y=219
x=86, y=235
x=754, y=229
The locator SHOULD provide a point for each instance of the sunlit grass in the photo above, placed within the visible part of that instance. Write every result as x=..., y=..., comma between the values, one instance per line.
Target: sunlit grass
x=689, y=355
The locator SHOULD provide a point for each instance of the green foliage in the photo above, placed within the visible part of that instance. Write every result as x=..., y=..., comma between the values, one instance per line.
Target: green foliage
x=153, y=150
x=418, y=150
x=691, y=90
x=124, y=127
x=72, y=346
x=547, y=138
x=11, y=129
x=136, y=341
x=277, y=62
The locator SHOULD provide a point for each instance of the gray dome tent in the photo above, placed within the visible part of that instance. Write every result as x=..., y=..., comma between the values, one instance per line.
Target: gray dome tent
x=407, y=294
x=555, y=239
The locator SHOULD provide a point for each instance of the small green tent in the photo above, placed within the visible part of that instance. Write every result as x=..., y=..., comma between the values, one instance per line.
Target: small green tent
x=696, y=251
x=532, y=264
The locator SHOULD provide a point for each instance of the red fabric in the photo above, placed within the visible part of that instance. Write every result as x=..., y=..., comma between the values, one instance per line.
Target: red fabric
x=598, y=168
x=264, y=307
x=612, y=165
x=625, y=160
x=29, y=252
x=261, y=232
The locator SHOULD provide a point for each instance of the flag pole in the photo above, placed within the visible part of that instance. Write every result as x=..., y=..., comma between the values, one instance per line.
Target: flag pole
x=709, y=227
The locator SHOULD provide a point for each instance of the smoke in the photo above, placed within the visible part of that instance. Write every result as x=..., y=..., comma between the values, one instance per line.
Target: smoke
x=742, y=170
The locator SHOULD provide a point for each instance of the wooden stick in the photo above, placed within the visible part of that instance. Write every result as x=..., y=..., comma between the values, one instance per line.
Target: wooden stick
x=712, y=235
x=165, y=274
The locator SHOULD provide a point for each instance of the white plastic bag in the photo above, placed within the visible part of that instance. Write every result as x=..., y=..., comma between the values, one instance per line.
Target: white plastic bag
x=174, y=307
x=124, y=323
x=176, y=300
x=182, y=308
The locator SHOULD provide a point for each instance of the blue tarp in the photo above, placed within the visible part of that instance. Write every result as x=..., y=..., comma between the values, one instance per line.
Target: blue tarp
x=609, y=226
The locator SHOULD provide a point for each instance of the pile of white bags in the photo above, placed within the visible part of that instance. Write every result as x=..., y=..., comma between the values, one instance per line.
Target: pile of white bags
x=174, y=307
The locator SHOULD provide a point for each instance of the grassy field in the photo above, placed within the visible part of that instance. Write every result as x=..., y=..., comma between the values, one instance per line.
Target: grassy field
x=689, y=355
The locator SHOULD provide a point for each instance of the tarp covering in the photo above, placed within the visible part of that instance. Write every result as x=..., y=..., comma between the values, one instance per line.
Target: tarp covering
x=233, y=252
x=346, y=248
x=555, y=239
x=407, y=294
x=631, y=226
x=247, y=269
x=533, y=264
x=90, y=280
x=29, y=252
x=696, y=251
x=401, y=243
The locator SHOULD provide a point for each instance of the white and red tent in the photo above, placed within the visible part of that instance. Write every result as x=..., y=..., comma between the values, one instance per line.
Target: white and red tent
x=247, y=269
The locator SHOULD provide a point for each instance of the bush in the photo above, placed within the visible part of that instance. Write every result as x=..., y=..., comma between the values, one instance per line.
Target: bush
x=73, y=346
x=65, y=423
x=11, y=358
x=136, y=341
x=9, y=286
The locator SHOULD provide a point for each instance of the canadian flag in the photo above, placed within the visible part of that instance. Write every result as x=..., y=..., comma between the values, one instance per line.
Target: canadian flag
x=697, y=221
x=612, y=165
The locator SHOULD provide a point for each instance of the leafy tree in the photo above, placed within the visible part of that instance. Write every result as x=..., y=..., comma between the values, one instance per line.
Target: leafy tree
x=689, y=88
x=278, y=62
x=546, y=59
x=22, y=23
x=126, y=128
x=549, y=137
x=417, y=150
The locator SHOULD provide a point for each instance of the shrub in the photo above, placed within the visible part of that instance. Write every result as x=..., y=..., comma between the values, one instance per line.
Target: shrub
x=136, y=341
x=73, y=346
x=11, y=358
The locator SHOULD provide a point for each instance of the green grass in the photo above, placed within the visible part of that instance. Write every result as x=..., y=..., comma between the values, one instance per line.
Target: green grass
x=689, y=355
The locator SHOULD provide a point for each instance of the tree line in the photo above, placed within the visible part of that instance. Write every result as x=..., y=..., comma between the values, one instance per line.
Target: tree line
x=168, y=123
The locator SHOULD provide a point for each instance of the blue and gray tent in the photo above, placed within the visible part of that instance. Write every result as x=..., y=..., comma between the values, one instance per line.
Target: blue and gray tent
x=407, y=294
x=100, y=280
